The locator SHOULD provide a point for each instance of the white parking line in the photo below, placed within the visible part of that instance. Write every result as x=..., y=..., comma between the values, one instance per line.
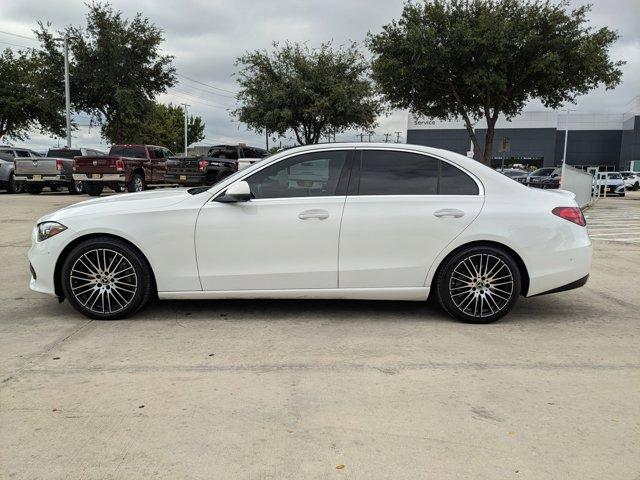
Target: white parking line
x=610, y=222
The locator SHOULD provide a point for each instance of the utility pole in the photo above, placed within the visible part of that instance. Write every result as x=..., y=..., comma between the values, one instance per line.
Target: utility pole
x=67, y=90
x=369, y=134
x=361, y=135
x=266, y=138
x=398, y=137
x=186, y=143
x=386, y=137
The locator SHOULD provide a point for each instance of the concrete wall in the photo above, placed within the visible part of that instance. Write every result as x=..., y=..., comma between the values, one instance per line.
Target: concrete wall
x=630, y=141
x=590, y=147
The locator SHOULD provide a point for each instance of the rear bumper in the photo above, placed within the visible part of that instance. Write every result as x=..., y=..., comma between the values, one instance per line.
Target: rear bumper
x=563, y=270
x=35, y=178
x=190, y=179
x=581, y=282
x=100, y=177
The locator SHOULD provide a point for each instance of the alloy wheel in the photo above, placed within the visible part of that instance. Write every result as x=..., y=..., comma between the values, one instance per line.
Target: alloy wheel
x=139, y=187
x=103, y=281
x=481, y=285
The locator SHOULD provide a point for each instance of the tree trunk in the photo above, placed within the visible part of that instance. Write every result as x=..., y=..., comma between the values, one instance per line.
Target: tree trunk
x=488, y=144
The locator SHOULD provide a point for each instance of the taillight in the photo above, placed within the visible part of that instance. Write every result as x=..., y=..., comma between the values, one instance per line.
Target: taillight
x=75, y=166
x=119, y=165
x=202, y=165
x=59, y=165
x=573, y=214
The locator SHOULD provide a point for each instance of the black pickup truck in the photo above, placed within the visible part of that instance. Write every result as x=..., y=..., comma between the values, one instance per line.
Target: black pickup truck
x=220, y=162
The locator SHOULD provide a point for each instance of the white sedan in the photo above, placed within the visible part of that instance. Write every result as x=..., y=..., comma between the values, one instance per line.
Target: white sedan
x=335, y=221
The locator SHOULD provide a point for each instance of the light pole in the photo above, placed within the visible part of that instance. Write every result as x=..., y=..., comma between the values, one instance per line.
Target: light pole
x=185, y=128
x=67, y=90
x=564, y=153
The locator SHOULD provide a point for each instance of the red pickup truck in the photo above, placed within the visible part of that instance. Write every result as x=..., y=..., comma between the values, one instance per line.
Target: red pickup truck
x=135, y=167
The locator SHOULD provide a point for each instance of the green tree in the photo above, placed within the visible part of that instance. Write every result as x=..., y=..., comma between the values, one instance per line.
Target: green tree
x=159, y=125
x=309, y=91
x=117, y=67
x=31, y=97
x=471, y=59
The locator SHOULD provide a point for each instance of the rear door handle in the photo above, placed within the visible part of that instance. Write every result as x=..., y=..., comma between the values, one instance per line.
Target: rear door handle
x=315, y=213
x=449, y=212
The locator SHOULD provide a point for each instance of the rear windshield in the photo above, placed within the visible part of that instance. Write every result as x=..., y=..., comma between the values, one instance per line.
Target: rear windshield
x=128, y=151
x=64, y=153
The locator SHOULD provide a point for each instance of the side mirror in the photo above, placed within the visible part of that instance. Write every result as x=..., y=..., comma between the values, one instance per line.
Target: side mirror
x=238, y=192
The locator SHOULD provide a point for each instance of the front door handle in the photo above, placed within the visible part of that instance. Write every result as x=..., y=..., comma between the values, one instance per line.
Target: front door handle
x=315, y=213
x=449, y=212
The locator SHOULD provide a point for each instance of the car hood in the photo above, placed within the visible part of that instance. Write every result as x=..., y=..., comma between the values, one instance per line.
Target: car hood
x=128, y=202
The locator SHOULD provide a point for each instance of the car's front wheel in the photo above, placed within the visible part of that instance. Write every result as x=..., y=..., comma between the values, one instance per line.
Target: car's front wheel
x=479, y=284
x=14, y=186
x=106, y=279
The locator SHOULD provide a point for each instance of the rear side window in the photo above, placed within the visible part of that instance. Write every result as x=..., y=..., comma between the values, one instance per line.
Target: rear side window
x=64, y=153
x=403, y=173
x=128, y=151
x=454, y=181
x=22, y=153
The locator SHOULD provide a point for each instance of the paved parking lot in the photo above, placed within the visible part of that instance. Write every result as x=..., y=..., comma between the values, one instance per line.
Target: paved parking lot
x=322, y=389
x=615, y=219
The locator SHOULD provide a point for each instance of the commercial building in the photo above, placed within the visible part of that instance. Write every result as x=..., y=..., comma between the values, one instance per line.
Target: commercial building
x=609, y=141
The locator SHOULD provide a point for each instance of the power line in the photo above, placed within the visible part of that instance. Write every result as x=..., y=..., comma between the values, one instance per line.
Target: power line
x=191, y=98
x=20, y=46
x=208, y=92
x=18, y=35
x=205, y=84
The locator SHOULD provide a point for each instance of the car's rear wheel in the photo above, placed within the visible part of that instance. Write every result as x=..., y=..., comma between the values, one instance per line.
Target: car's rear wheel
x=34, y=189
x=106, y=279
x=75, y=187
x=14, y=186
x=136, y=184
x=635, y=186
x=479, y=284
x=93, y=189
x=55, y=188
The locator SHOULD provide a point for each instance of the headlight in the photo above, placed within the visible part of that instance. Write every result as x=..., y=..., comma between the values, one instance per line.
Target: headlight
x=49, y=229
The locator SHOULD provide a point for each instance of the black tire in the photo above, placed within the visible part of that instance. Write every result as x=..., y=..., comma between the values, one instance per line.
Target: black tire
x=97, y=296
x=75, y=187
x=463, y=291
x=34, y=189
x=118, y=188
x=13, y=186
x=635, y=186
x=137, y=183
x=222, y=175
x=93, y=189
x=55, y=188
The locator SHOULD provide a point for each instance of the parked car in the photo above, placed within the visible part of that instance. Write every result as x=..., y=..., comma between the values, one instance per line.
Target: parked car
x=220, y=162
x=631, y=180
x=7, y=175
x=610, y=183
x=546, y=177
x=515, y=173
x=134, y=167
x=379, y=221
x=54, y=171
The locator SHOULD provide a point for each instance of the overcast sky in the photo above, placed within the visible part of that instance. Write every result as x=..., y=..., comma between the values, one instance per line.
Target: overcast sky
x=206, y=36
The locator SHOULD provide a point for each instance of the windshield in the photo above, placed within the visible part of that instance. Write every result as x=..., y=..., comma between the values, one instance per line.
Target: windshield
x=542, y=172
x=514, y=173
x=64, y=153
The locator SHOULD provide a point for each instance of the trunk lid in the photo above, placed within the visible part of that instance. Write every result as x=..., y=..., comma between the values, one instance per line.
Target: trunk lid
x=183, y=165
x=38, y=166
x=106, y=164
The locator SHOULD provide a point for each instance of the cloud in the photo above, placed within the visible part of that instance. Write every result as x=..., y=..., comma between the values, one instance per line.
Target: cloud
x=207, y=36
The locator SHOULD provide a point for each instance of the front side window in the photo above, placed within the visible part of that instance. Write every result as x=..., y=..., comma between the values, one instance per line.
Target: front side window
x=308, y=175
x=387, y=172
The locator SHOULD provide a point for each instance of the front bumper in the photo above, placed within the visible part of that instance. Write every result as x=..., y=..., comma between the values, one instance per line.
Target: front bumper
x=43, y=257
x=101, y=177
x=35, y=178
